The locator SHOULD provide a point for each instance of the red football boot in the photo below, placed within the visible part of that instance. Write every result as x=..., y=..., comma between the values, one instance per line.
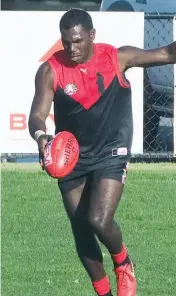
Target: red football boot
x=126, y=281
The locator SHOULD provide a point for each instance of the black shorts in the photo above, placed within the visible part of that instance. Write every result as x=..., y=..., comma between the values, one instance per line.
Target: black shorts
x=116, y=172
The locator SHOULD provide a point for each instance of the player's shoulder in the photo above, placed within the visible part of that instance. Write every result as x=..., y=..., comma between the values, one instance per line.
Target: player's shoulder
x=43, y=70
x=104, y=48
x=44, y=74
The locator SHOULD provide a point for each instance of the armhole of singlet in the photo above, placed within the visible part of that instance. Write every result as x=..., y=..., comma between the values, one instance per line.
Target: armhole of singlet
x=55, y=80
x=119, y=73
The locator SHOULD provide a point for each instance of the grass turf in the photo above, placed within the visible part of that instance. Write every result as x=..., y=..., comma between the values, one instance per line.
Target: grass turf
x=38, y=254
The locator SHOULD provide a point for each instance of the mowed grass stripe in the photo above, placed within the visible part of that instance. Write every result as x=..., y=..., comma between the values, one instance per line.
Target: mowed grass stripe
x=158, y=167
x=38, y=254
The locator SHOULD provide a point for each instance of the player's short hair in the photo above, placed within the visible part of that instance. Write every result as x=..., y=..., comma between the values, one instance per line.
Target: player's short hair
x=76, y=16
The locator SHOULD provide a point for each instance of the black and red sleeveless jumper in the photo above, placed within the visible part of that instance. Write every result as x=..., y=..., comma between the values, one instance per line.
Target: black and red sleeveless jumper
x=93, y=101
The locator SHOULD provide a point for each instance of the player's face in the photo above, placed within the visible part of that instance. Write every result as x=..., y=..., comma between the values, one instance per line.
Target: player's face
x=78, y=44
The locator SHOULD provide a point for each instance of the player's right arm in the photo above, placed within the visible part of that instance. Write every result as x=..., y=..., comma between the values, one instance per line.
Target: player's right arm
x=41, y=105
x=130, y=56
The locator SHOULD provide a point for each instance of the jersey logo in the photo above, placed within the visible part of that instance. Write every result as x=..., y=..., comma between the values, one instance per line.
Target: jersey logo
x=83, y=70
x=70, y=89
x=119, y=151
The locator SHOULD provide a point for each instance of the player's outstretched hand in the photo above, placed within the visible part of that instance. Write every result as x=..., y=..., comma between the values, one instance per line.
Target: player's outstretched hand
x=42, y=141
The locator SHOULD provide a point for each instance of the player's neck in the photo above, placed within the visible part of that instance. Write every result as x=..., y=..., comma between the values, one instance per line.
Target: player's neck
x=91, y=54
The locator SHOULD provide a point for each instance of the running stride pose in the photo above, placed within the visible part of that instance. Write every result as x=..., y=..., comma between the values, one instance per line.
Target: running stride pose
x=92, y=99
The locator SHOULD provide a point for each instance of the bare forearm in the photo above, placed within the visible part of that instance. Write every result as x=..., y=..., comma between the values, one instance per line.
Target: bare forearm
x=36, y=123
x=130, y=56
x=171, y=50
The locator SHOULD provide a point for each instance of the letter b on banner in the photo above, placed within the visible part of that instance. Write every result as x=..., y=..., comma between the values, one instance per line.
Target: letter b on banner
x=18, y=122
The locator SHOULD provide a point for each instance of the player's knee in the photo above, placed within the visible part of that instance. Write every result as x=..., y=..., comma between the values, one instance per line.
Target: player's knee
x=98, y=223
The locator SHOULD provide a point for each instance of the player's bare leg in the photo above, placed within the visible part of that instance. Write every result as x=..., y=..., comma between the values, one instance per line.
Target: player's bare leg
x=76, y=204
x=105, y=196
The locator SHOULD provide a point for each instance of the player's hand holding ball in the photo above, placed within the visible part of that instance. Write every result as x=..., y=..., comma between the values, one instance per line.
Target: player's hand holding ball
x=60, y=154
x=42, y=141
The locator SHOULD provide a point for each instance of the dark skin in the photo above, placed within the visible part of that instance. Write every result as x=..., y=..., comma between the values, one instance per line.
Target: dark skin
x=78, y=44
x=104, y=195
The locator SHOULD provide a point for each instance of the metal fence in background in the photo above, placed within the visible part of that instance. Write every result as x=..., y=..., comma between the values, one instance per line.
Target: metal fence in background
x=158, y=92
x=158, y=98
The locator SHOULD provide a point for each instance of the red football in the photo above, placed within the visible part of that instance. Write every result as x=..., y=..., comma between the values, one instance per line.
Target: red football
x=61, y=155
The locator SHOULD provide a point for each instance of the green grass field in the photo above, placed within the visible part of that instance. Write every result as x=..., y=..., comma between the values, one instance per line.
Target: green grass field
x=38, y=255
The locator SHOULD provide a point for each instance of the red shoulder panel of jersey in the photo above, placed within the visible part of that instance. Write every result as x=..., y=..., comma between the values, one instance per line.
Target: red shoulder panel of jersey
x=86, y=83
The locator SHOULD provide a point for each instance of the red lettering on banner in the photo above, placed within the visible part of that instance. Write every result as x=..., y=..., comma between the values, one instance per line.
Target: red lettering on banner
x=18, y=122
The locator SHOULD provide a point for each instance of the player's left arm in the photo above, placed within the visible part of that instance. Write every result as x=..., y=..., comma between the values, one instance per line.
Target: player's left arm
x=130, y=56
